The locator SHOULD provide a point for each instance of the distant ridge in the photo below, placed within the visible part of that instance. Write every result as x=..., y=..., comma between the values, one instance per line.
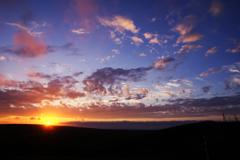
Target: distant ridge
x=180, y=142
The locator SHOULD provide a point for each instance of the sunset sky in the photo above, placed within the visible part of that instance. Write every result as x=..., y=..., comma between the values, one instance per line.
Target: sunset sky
x=118, y=60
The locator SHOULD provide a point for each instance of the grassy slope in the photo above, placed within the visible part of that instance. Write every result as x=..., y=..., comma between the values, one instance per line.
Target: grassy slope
x=181, y=142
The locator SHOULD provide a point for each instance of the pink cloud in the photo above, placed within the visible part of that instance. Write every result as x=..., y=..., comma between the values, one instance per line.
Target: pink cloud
x=28, y=46
x=216, y=7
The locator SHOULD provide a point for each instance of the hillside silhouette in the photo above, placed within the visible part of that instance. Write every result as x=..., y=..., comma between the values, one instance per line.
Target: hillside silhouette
x=60, y=142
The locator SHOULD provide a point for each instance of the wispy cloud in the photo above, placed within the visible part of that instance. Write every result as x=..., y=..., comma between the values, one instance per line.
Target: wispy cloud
x=234, y=68
x=211, y=71
x=80, y=31
x=186, y=48
x=211, y=51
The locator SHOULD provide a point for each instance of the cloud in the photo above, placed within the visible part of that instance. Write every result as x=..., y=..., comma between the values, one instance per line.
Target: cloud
x=142, y=54
x=2, y=58
x=7, y=83
x=26, y=17
x=216, y=7
x=205, y=89
x=234, y=68
x=162, y=63
x=74, y=94
x=173, y=84
x=27, y=46
x=158, y=39
x=153, y=19
x=67, y=47
x=190, y=37
x=199, y=78
x=116, y=51
x=77, y=74
x=185, y=30
x=119, y=23
x=154, y=41
x=187, y=82
x=186, y=48
x=131, y=94
x=234, y=50
x=117, y=41
x=112, y=34
x=211, y=51
x=38, y=75
x=80, y=31
x=18, y=26
x=97, y=82
x=147, y=35
x=227, y=84
x=83, y=12
x=235, y=82
x=137, y=40
x=212, y=71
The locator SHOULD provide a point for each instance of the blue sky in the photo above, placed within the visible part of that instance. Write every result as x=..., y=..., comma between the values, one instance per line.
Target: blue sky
x=118, y=60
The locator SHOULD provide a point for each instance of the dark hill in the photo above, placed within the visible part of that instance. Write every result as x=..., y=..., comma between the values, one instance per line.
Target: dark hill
x=181, y=142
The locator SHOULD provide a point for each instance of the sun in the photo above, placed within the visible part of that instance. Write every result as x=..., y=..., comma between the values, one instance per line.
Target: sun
x=48, y=123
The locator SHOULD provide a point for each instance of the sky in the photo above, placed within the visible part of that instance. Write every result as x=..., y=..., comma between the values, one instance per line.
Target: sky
x=73, y=61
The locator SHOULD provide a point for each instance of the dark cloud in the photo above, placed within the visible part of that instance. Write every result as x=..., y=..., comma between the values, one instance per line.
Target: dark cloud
x=227, y=84
x=12, y=4
x=73, y=94
x=205, y=89
x=97, y=82
x=77, y=74
x=70, y=47
x=26, y=17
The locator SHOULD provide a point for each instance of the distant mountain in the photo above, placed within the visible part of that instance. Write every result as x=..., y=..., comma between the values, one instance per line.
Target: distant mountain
x=181, y=142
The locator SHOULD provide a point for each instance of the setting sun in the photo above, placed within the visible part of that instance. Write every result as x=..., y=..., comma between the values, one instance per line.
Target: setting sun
x=48, y=123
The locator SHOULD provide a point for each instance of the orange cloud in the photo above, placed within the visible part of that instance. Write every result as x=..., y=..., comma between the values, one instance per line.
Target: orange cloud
x=211, y=51
x=190, y=37
x=119, y=23
x=28, y=46
x=185, y=30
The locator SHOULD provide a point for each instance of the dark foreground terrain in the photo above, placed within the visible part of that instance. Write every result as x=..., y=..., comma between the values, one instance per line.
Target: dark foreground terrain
x=181, y=142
